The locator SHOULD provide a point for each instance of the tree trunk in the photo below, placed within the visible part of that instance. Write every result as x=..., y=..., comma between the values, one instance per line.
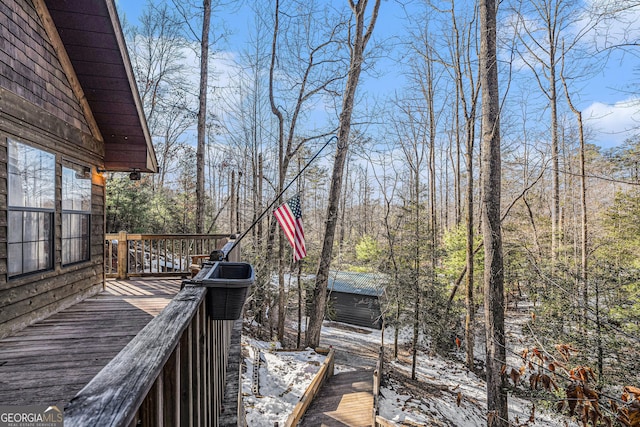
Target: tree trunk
x=361, y=38
x=281, y=290
x=555, y=212
x=497, y=409
x=416, y=273
x=583, y=204
x=301, y=304
x=232, y=198
x=202, y=116
x=469, y=318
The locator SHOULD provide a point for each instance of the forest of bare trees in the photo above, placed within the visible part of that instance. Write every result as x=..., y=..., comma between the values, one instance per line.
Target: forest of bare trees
x=475, y=184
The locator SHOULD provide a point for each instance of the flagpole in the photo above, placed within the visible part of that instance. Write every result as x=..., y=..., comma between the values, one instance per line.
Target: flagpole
x=238, y=239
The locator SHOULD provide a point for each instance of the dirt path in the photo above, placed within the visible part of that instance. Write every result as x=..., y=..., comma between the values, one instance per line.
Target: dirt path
x=356, y=348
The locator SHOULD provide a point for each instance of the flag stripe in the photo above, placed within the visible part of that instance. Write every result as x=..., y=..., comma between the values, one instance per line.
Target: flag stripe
x=285, y=219
x=289, y=217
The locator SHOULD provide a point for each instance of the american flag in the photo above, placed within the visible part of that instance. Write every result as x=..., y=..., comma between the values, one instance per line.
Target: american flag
x=289, y=215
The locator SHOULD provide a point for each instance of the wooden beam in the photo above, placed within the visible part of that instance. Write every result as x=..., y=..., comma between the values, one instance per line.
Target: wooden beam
x=123, y=255
x=152, y=162
x=67, y=66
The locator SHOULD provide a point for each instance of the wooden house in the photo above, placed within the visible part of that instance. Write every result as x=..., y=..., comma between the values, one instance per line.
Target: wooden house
x=112, y=352
x=69, y=110
x=355, y=298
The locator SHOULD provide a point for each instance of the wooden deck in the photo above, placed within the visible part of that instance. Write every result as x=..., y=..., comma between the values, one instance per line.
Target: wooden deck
x=49, y=362
x=346, y=399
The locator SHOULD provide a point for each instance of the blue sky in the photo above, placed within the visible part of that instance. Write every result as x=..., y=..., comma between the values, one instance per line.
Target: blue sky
x=609, y=105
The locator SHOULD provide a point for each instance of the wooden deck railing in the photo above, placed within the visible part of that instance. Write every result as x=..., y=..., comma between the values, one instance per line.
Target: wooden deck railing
x=173, y=373
x=326, y=370
x=133, y=255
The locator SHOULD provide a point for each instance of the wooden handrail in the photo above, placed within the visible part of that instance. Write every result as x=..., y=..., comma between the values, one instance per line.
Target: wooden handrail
x=113, y=397
x=325, y=371
x=172, y=373
x=138, y=236
x=383, y=422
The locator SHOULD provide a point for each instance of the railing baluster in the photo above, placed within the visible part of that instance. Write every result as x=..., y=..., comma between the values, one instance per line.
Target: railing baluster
x=171, y=389
x=142, y=381
x=150, y=255
x=173, y=372
x=197, y=379
x=186, y=378
x=202, y=371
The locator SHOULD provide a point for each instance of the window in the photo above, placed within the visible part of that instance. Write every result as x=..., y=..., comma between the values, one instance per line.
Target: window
x=76, y=214
x=31, y=201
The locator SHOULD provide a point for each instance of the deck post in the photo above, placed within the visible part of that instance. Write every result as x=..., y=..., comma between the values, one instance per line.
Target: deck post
x=234, y=255
x=123, y=255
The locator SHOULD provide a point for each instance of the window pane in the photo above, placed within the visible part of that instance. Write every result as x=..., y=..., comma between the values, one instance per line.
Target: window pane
x=15, y=258
x=30, y=256
x=84, y=249
x=84, y=225
x=43, y=255
x=30, y=248
x=31, y=177
x=32, y=227
x=47, y=227
x=76, y=189
x=15, y=227
x=67, y=251
x=75, y=237
x=72, y=223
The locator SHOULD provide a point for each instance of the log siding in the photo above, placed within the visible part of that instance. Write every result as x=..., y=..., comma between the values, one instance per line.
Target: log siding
x=26, y=299
x=38, y=107
x=29, y=66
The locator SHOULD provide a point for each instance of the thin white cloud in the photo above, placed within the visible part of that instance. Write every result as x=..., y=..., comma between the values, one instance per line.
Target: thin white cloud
x=613, y=123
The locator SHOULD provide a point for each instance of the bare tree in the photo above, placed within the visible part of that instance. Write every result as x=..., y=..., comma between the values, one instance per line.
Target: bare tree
x=412, y=130
x=498, y=411
x=193, y=12
x=316, y=77
x=548, y=31
x=202, y=115
x=388, y=183
x=361, y=35
x=157, y=51
x=583, y=275
x=467, y=90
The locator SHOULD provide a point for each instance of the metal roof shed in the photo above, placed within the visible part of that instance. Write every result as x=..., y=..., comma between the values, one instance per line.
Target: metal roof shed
x=354, y=298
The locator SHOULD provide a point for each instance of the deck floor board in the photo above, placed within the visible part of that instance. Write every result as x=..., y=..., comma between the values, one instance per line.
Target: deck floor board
x=49, y=362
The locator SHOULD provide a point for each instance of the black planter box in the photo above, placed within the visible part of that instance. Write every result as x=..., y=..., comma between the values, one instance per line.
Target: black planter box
x=228, y=284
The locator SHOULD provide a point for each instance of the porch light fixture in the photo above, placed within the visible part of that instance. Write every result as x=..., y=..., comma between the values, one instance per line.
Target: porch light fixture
x=135, y=175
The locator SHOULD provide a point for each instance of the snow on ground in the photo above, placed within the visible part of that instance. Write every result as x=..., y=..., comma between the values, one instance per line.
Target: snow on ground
x=446, y=381
x=431, y=401
x=283, y=378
